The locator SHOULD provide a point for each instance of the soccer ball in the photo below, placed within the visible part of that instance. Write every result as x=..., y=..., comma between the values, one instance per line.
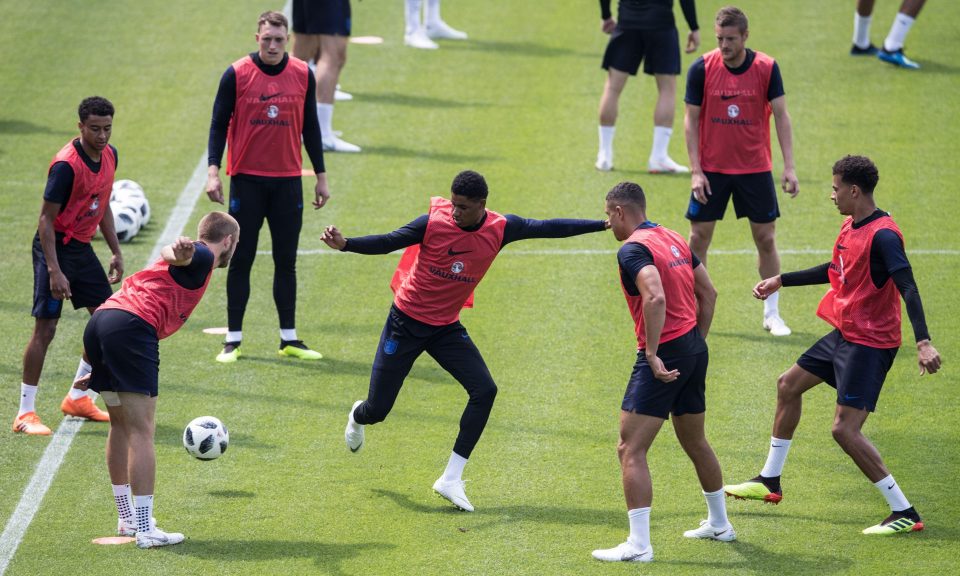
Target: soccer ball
x=124, y=187
x=206, y=438
x=137, y=202
x=126, y=220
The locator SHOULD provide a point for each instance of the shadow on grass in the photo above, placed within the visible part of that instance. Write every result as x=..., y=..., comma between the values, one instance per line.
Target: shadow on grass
x=170, y=435
x=327, y=557
x=759, y=560
x=529, y=49
x=232, y=494
x=428, y=155
x=24, y=127
x=414, y=101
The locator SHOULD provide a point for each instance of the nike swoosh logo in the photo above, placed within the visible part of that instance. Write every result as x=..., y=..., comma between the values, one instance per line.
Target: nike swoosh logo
x=633, y=556
x=727, y=96
x=849, y=397
x=264, y=98
x=452, y=252
x=719, y=533
x=776, y=445
x=890, y=487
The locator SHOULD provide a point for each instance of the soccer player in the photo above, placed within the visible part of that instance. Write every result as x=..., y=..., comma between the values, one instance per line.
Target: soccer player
x=730, y=93
x=671, y=300
x=421, y=35
x=892, y=49
x=451, y=249
x=644, y=31
x=868, y=269
x=75, y=202
x=122, y=339
x=264, y=106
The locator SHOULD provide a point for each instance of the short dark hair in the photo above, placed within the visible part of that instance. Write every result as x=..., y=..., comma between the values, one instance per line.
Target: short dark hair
x=628, y=193
x=470, y=184
x=732, y=16
x=859, y=171
x=94, y=106
x=216, y=226
x=272, y=18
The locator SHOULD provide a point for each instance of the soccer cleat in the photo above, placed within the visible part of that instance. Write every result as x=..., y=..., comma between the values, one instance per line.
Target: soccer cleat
x=870, y=50
x=83, y=407
x=129, y=527
x=419, y=40
x=897, y=58
x=157, y=537
x=753, y=490
x=341, y=96
x=337, y=145
x=297, y=349
x=895, y=524
x=625, y=552
x=604, y=164
x=29, y=423
x=666, y=165
x=723, y=534
x=453, y=491
x=353, y=433
x=231, y=352
x=776, y=326
x=441, y=30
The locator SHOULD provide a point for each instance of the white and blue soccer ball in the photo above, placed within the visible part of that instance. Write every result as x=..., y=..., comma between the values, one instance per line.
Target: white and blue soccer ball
x=206, y=438
x=126, y=221
x=130, y=193
x=126, y=187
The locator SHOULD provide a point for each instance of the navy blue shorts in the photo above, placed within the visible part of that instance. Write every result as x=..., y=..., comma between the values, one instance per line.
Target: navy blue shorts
x=685, y=395
x=754, y=197
x=89, y=286
x=124, y=352
x=330, y=17
x=855, y=370
x=659, y=50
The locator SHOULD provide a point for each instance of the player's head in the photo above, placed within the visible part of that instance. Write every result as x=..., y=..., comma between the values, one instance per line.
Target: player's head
x=272, y=36
x=468, y=193
x=731, y=29
x=219, y=228
x=854, y=178
x=96, y=122
x=626, y=208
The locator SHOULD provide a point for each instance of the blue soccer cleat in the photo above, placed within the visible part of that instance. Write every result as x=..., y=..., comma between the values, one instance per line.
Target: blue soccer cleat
x=897, y=58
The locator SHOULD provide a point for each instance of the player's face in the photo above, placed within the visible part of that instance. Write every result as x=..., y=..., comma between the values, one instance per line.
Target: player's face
x=842, y=195
x=95, y=132
x=732, y=44
x=617, y=223
x=273, y=43
x=467, y=211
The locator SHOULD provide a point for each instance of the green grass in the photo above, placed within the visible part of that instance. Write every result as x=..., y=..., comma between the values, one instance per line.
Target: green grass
x=518, y=103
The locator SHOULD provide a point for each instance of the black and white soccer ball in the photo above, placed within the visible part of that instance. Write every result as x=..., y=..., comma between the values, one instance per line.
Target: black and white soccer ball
x=121, y=187
x=126, y=221
x=206, y=438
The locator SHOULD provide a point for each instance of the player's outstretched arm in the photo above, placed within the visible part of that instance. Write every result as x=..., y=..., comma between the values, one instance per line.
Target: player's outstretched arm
x=927, y=357
x=333, y=238
x=178, y=253
x=765, y=288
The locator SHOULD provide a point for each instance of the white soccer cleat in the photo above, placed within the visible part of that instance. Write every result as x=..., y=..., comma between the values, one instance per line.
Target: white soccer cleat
x=353, y=433
x=776, y=326
x=129, y=527
x=419, y=40
x=453, y=491
x=625, y=552
x=604, y=163
x=341, y=96
x=337, y=145
x=158, y=537
x=441, y=30
x=666, y=165
x=723, y=534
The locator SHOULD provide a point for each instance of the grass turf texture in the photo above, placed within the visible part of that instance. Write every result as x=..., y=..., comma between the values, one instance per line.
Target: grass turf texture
x=517, y=102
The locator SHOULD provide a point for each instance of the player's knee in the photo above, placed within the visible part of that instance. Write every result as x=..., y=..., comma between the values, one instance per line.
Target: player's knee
x=786, y=388
x=44, y=332
x=485, y=394
x=842, y=433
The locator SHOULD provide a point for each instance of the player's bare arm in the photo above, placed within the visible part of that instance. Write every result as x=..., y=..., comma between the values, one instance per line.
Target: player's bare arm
x=654, y=315
x=927, y=357
x=706, y=295
x=691, y=127
x=59, y=285
x=214, y=187
x=321, y=191
x=781, y=117
x=178, y=253
x=109, y=230
x=693, y=41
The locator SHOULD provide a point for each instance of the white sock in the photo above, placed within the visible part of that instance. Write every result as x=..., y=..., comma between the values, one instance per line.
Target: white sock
x=606, y=141
x=433, y=13
x=412, y=16
x=235, y=336
x=288, y=334
x=144, y=510
x=639, y=527
x=716, y=509
x=661, y=141
x=121, y=496
x=454, y=471
x=775, y=457
x=325, y=115
x=28, y=396
x=861, y=30
x=898, y=32
x=82, y=370
x=892, y=492
x=771, y=306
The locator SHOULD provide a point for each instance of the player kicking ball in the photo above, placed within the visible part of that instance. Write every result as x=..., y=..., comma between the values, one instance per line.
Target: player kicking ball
x=868, y=274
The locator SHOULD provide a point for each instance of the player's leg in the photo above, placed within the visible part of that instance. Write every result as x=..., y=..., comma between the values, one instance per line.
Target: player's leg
x=436, y=27
x=27, y=420
x=703, y=217
x=662, y=49
x=701, y=235
x=862, y=18
x=415, y=33
x=333, y=57
x=892, y=49
x=118, y=466
x=609, y=109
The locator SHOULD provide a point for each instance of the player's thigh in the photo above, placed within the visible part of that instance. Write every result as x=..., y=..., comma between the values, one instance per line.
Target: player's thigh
x=721, y=186
x=455, y=352
x=330, y=17
x=89, y=286
x=306, y=46
x=691, y=396
x=647, y=395
x=624, y=51
x=815, y=365
x=45, y=306
x=128, y=353
x=285, y=215
x=402, y=341
x=755, y=197
x=861, y=371
x=661, y=52
x=248, y=206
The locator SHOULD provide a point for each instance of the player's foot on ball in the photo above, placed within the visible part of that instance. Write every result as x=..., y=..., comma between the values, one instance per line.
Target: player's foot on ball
x=453, y=491
x=904, y=521
x=776, y=326
x=83, y=407
x=129, y=527
x=353, y=433
x=665, y=165
x=419, y=40
x=29, y=423
x=870, y=50
x=297, y=349
x=759, y=488
x=230, y=353
x=625, y=552
x=158, y=537
x=897, y=58
x=723, y=533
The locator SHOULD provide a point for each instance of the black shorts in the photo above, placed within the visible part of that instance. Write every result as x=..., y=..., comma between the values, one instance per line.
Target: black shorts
x=754, y=197
x=89, y=286
x=659, y=50
x=685, y=395
x=124, y=352
x=855, y=370
x=330, y=17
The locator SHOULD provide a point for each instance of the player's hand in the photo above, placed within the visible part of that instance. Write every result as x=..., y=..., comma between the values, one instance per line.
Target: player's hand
x=660, y=371
x=765, y=288
x=60, y=286
x=214, y=188
x=116, y=268
x=333, y=238
x=927, y=357
x=321, y=191
x=82, y=383
x=700, y=187
x=183, y=249
x=790, y=183
x=608, y=25
x=693, y=41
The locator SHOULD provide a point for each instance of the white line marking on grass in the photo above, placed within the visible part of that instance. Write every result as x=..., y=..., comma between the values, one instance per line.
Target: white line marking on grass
x=53, y=456
x=593, y=252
